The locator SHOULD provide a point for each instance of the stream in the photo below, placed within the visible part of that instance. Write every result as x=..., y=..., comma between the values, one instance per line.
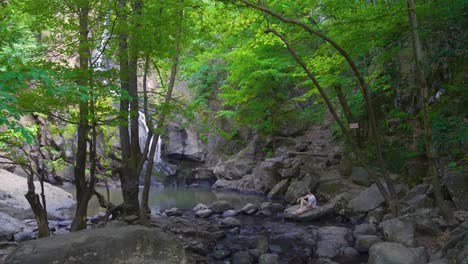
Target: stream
x=161, y=199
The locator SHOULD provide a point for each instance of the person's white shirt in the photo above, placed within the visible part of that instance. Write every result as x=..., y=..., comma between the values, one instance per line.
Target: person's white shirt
x=311, y=200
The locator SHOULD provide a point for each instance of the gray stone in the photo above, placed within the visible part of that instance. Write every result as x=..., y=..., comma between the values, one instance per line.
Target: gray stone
x=221, y=254
x=360, y=176
x=349, y=253
x=58, y=201
x=249, y=209
x=272, y=207
x=417, y=197
x=265, y=213
x=461, y=216
x=199, y=207
x=335, y=205
x=331, y=241
x=220, y=207
x=242, y=257
x=241, y=164
x=375, y=216
x=183, y=143
x=269, y=259
x=130, y=218
x=255, y=253
x=230, y=222
x=367, y=200
x=456, y=182
x=394, y=253
x=24, y=236
x=301, y=187
x=112, y=244
x=364, y=229
x=230, y=213
x=279, y=189
x=203, y=174
x=266, y=174
x=173, y=212
x=9, y=226
x=395, y=230
x=365, y=242
x=204, y=213
x=371, y=198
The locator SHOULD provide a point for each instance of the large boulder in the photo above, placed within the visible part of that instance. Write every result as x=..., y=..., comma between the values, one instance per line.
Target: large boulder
x=364, y=229
x=328, y=209
x=365, y=242
x=184, y=143
x=230, y=222
x=9, y=226
x=245, y=184
x=112, y=244
x=360, y=176
x=249, y=209
x=332, y=240
x=269, y=259
x=220, y=207
x=242, y=257
x=13, y=189
x=266, y=174
x=395, y=230
x=417, y=197
x=394, y=253
x=279, y=189
x=369, y=199
x=301, y=187
x=204, y=213
x=241, y=164
x=457, y=185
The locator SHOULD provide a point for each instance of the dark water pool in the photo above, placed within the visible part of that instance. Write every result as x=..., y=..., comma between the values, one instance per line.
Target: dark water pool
x=184, y=198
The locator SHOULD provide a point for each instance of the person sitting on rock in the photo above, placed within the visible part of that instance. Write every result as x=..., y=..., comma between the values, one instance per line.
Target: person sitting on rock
x=307, y=202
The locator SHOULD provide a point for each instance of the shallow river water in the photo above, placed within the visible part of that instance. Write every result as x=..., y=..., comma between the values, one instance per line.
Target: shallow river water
x=184, y=198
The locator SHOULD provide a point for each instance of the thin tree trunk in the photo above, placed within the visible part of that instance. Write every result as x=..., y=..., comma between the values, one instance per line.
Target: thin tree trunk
x=344, y=104
x=39, y=212
x=149, y=121
x=430, y=153
x=332, y=110
x=79, y=221
x=161, y=120
x=394, y=206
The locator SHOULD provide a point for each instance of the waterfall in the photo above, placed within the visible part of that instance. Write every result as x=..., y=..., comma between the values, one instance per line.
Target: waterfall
x=157, y=155
x=144, y=130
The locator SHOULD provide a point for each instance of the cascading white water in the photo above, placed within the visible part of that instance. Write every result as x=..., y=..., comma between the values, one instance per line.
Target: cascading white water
x=144, y=130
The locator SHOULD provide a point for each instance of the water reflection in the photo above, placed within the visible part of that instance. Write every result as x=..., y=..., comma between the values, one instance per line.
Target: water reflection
x=185, y=198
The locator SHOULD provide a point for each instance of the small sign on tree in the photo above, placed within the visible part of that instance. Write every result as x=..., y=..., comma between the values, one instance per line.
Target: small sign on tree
x=354, y=125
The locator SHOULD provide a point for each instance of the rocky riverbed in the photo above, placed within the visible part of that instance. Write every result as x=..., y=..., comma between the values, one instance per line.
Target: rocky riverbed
x=253, y=233
x=351, y=225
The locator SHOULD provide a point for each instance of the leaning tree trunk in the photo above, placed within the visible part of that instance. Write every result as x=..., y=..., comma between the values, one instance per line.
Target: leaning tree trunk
x=359, y=155
x=161, y=120
x=393, y=201
x=430, y=153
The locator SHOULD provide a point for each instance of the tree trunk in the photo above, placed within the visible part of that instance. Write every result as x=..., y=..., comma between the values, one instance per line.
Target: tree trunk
x=39, y=212
x=79, y=221
x=393, y=202
x=128, y=177
x=430, y=153
x=161, y=120
x=383, y=189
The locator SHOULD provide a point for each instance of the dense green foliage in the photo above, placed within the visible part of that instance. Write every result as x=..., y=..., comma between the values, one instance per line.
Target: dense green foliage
x=241, y=77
